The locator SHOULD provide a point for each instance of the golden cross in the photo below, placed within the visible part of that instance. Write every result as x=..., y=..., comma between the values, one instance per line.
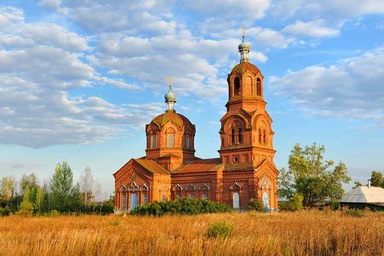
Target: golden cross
x=243, y=27
x=170, y=81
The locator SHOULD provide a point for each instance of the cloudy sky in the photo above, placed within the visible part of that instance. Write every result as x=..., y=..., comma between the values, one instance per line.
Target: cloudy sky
x=80, y=79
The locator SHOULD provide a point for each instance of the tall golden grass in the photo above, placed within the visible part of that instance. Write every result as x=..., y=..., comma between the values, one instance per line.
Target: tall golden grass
x=296, y=233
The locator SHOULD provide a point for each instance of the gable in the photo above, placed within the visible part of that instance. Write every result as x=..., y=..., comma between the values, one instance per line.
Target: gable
x=267, y=168
x=138, y=169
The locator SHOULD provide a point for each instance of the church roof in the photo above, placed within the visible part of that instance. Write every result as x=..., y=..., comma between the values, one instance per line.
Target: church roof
x=364, y=194
x=200, y=165
x=174, y=117
x=151, y=166
x=245, y=66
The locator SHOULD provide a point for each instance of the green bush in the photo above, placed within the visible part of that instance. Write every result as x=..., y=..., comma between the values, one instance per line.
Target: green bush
x=220, y=229
x=185, y=206
x=295, y=204
x=256, y=205
x=353, y=212
x=5, y=211
x=24, y=213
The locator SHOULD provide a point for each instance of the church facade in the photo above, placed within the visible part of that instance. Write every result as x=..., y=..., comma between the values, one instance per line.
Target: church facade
x=245, y=167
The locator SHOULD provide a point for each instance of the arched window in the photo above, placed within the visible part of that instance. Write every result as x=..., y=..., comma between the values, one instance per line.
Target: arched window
x=264, y=137
x=266, y=201
x=133, y=201
x=124, y=201
x=233, y=136
x=145, y=198
x=205, y=196
x=240, y=136
x=260, y=136
x=258, y=86
x=237, y=86
x=187, y=141
x=191, y=196
x=163, y=197
x=153, y=141
x=236, y=200
x=170, y=140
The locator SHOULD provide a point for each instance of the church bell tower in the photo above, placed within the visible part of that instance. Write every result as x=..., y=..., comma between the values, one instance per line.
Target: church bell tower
x=246, y=129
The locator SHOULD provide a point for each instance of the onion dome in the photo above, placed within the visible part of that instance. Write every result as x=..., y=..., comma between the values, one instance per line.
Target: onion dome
x=170, y=99
x=170, y=114
x=170, y=95
x=244, y=49
x=245, y=65
x=179, y=120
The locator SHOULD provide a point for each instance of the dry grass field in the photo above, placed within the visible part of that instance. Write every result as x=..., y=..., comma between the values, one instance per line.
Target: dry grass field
x=297, y=233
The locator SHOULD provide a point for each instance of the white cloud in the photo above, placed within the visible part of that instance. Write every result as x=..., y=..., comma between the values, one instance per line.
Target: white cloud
x=49, y=66
x=332, y=10
x=54, y=35
x=314, y=28
x=9, y=16
x=350, y=89
x=228, y=9
x=274, y=39
x=50, y=4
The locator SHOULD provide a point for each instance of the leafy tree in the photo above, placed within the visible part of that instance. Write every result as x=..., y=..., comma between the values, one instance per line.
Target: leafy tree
x=47, y=195
x=357, y=184
x=312, y=177
x=86, y=186
x=7, y=188
x=64, y=195
x=28, y=181
x=39, y=199
x=26, y=205
x=377, y=179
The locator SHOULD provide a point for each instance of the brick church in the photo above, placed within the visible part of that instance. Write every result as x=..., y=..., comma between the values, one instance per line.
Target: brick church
x=244, y=169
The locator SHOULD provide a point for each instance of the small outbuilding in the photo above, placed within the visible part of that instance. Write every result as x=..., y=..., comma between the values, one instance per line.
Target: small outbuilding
x=364, y=197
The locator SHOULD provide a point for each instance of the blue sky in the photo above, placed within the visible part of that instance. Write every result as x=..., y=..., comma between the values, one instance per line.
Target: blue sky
x=80, y=79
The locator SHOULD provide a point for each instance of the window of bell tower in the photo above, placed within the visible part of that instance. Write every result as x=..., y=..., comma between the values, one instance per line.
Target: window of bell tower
x=237, y=86
x=258, y=86
x=264, y=137
x=240, y=136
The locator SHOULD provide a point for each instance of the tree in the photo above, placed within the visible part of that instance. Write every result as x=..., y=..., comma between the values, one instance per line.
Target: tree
x=86, y=185
x=26, y=205
x=28, y=181
x=7, y=188
x=64, y=196
x=312, y=177
x=39, y=199
x=357, y=184
x=377, y=179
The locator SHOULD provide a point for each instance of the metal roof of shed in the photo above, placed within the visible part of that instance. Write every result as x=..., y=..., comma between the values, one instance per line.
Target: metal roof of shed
x=364, y=194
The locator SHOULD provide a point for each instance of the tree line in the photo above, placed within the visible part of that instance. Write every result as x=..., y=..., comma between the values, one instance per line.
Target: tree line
x=58, y=194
